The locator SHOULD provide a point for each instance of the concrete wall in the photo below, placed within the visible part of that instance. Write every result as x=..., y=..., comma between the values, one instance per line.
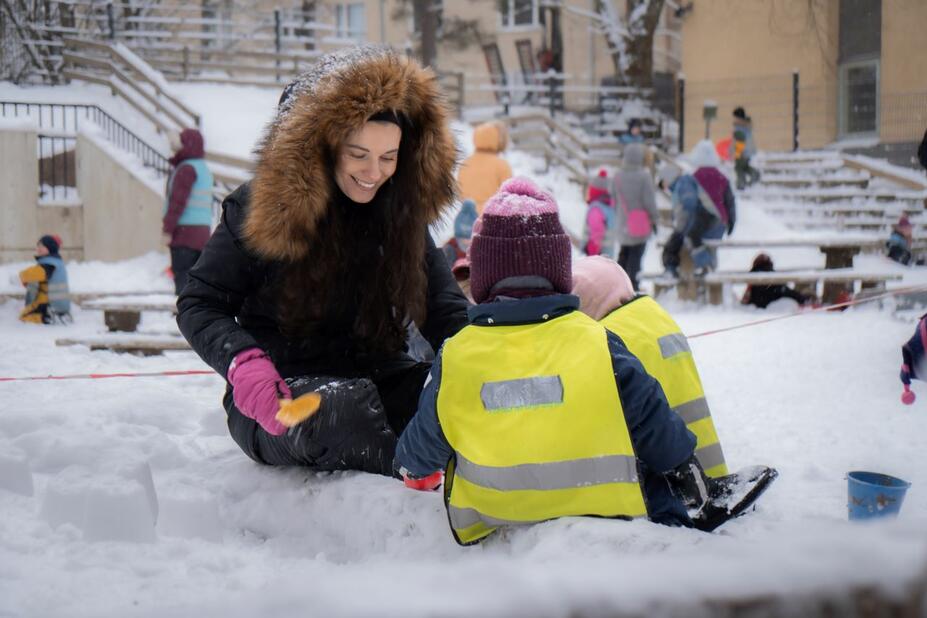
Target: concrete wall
x=22, y=218
x=903, y=71
x=19, y=177
x=121, y=210
x=743, y=52
x=750, y=59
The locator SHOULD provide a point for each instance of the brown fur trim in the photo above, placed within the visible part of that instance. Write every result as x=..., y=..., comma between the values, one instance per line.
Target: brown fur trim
x=292, y=182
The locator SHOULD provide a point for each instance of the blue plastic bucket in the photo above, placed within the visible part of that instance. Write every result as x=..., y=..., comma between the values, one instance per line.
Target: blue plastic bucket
x=871, y=495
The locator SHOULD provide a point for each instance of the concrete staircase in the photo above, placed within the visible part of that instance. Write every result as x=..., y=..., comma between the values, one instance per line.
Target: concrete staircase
x=819, y=190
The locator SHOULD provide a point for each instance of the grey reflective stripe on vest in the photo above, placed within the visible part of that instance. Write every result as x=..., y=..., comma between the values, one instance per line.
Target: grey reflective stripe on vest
x=671, y=345
x=522, y=393
x=58, y=291
x=710, y=456
x=554, y=475
x=464, y=518
x=694, y=410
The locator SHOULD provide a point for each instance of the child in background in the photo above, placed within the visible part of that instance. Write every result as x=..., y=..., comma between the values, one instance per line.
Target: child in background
x=456, y=248
x=599, y=237
x=764, y=295
x=898, y=244
x=912, y=365
x=47, y=296
x=742, y=148
x=482, y=172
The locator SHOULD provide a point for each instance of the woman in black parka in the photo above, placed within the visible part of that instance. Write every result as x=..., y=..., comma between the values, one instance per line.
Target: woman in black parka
x=321, y=262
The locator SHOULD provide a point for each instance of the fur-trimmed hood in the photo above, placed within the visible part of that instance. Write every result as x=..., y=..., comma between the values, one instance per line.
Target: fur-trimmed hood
x=291, y=189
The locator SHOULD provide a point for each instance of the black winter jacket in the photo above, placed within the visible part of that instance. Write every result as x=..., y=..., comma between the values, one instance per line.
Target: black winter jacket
x=230, y=304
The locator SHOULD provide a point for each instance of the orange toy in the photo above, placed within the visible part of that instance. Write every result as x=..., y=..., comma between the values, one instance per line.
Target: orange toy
x=292, y=412
x=723, y=148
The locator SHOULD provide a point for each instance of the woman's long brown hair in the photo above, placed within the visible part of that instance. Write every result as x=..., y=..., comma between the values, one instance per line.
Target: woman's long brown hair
x=346, y=268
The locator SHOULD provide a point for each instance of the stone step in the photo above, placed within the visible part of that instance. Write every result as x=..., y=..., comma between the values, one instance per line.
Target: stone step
x=861, y=182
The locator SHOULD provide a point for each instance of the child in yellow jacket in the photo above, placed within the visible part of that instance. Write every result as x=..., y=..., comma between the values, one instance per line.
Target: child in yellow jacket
x=46, y=283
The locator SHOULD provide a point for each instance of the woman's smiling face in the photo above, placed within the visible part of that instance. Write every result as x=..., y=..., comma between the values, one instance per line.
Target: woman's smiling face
x=367, y=159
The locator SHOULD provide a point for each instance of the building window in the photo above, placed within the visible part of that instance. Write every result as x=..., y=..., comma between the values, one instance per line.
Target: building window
x=519, y=13
x=350, y=21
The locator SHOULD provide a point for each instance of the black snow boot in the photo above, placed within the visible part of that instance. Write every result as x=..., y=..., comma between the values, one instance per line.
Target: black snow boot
x=713, y=501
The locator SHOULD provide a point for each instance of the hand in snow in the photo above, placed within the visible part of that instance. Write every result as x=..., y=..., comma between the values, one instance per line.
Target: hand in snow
x=257, y=389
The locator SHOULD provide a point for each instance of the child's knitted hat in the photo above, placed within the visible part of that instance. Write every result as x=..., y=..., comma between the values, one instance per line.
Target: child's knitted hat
x=602, y=286
x=52, y=242
x=520, y=244
x=598, y=188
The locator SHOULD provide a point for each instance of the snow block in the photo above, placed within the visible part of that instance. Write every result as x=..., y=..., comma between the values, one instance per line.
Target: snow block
x=117, y=509
x=64, y=497
x=15, y=475
x=189, y=513
x=114, y=502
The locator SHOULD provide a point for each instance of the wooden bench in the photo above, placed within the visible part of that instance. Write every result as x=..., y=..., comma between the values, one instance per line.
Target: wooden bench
x=806, y=282
x=123, y=314
x=139, y=345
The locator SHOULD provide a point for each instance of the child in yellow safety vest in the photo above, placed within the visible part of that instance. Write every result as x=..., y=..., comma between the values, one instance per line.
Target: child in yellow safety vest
x=46, y=283
x=607, y=296
x=534, y=409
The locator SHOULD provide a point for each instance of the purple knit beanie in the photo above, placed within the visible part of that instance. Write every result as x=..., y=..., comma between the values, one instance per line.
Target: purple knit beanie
x=521, y=236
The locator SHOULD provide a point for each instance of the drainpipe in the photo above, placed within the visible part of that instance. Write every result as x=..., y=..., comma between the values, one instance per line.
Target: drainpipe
x=382, y=21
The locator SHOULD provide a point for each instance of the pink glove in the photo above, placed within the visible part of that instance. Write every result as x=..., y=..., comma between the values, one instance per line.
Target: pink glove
x=256, y=387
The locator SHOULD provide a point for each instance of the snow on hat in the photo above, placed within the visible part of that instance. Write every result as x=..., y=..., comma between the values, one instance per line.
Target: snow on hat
x=521, y=236
x=463, y=222
x=52, y=242
x=602, y=286
x=704, y=155
x=598, y=188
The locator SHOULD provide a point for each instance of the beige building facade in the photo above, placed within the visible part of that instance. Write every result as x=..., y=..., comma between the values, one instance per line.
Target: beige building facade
x=860, y=64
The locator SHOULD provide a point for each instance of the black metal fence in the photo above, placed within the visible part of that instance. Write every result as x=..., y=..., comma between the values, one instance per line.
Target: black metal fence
x=57, y=168
x=66, y=118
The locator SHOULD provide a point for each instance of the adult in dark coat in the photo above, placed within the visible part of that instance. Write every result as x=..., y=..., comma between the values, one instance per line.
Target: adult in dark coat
x=322, y=261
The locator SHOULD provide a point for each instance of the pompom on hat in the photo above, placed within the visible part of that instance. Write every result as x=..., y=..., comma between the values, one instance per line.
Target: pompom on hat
x=598, y=188
x=520, y=237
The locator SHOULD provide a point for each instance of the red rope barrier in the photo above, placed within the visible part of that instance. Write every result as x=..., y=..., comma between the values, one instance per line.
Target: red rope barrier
x=850, y=303
x=100, y=376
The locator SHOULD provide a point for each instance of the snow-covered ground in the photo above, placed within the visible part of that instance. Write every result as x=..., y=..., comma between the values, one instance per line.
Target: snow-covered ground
x=816, y=396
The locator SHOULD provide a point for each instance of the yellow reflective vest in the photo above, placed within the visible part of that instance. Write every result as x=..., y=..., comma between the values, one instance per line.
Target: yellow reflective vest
x=535, y=422
x=654, y=337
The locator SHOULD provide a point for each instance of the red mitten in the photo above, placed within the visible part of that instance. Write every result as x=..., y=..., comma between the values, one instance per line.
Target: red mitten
x=426, y=483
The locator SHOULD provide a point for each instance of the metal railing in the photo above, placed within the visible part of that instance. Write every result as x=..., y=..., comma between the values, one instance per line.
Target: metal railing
x=65, y=118
x=57, y=168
